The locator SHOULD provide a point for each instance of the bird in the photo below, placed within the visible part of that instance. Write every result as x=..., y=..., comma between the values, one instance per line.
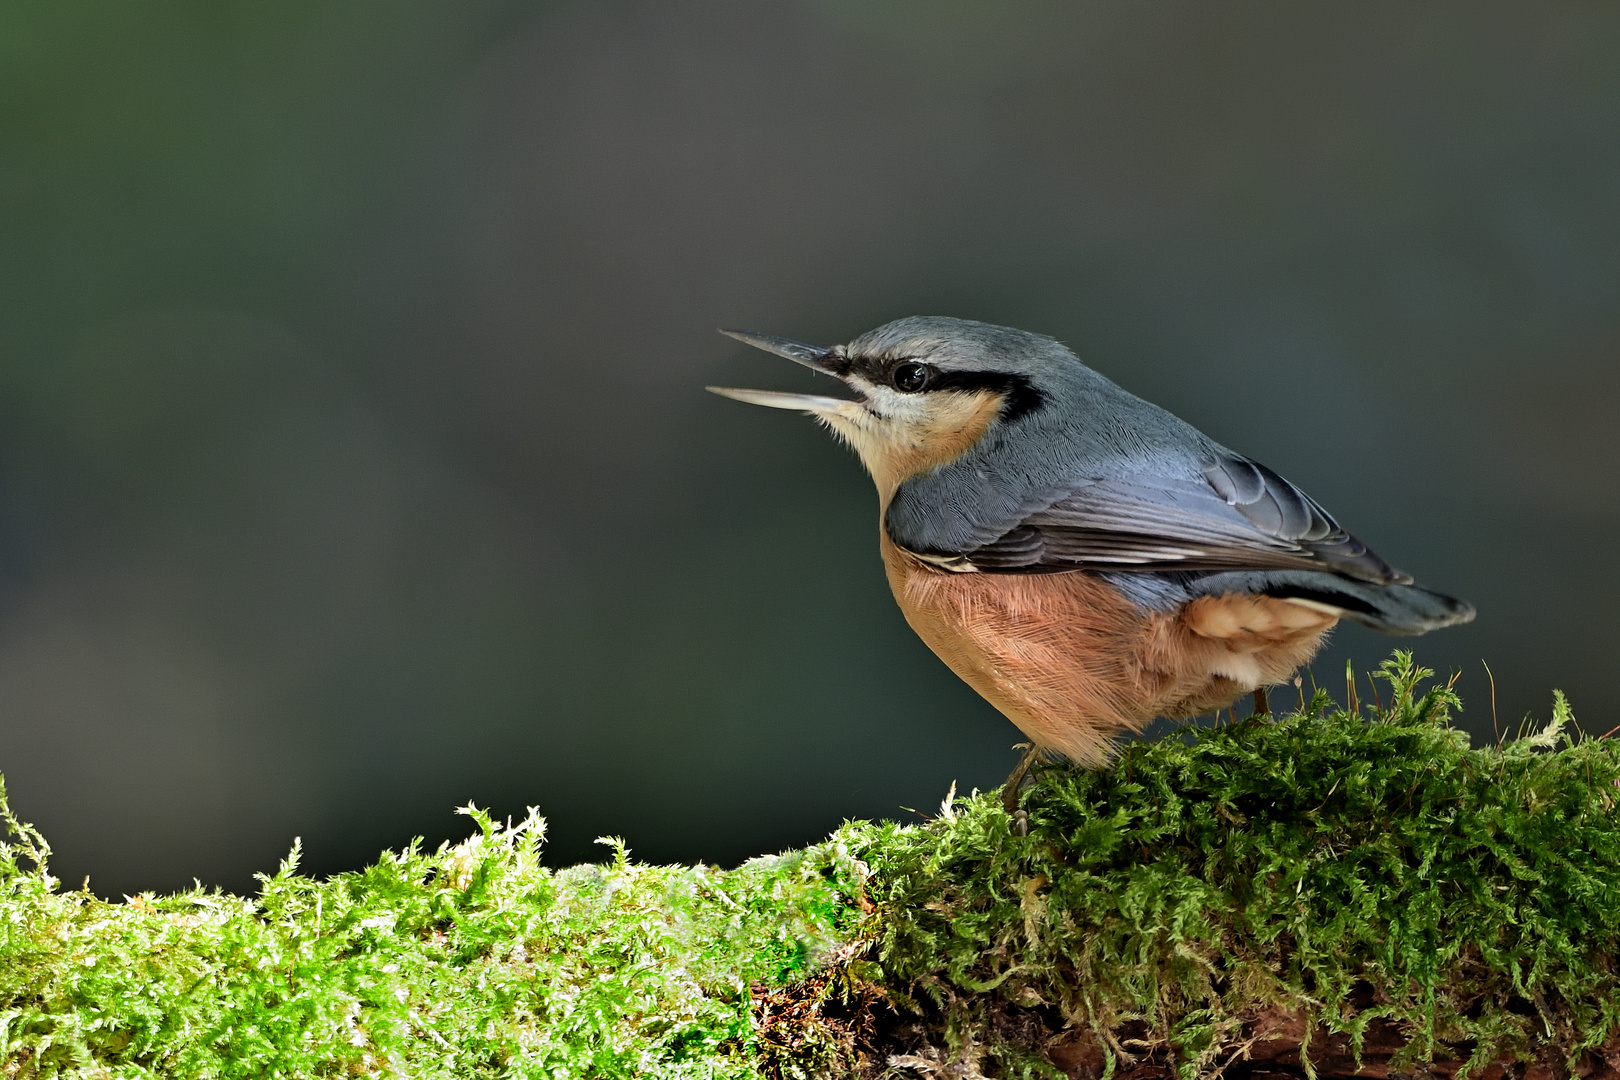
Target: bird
x=1084, y=559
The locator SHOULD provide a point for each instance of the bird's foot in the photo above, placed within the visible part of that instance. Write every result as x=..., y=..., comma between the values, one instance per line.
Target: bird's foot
x=1010, y=790
x=1261, y=706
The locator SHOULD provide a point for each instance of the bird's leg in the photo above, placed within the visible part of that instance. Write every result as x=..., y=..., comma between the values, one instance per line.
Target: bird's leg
x=1261, y=708
x=1009, y=790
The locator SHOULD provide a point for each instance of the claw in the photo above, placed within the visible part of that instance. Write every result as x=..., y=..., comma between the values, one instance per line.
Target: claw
x=1010, y=790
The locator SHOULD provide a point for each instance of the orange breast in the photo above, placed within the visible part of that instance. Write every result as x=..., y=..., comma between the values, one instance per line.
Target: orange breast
x=1074, y=664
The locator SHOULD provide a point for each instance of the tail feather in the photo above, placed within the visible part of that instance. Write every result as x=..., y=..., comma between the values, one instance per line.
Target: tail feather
x=1392, y=609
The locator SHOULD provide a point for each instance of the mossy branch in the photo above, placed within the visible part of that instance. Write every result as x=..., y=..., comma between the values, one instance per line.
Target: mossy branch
x=1329, y=890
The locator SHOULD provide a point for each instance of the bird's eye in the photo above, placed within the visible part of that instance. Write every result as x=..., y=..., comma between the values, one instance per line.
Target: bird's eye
x=909, y=378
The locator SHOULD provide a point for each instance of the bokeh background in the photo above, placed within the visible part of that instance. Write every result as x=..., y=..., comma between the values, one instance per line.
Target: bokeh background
x=354, y=461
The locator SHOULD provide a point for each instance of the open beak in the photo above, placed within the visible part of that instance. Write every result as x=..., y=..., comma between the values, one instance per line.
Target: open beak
x=811, y=356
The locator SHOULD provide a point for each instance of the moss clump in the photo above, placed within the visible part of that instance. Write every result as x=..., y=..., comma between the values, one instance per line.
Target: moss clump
x=1350, y=871
x=1332, y=882
x=473, y=961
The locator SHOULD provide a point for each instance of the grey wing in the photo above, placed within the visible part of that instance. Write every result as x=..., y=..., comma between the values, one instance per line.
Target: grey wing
x=1240, y=516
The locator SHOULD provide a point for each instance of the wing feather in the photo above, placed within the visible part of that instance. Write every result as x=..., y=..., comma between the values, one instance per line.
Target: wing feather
x=1239, y=515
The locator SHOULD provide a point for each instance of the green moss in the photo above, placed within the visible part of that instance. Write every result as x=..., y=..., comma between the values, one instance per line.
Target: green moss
x=1352, y=869
x=1361, y=869
x=471, y=961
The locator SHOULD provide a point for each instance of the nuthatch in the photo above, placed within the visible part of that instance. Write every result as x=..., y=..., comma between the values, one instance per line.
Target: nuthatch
x=1082, y=558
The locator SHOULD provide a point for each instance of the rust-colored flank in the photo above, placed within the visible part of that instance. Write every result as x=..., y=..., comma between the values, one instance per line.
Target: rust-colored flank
x=1074, y=664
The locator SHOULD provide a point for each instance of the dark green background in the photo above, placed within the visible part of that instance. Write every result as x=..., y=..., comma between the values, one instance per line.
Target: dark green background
x=354, y=461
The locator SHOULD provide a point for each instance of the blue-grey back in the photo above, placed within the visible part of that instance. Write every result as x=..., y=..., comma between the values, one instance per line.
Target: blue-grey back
x=1086, y=428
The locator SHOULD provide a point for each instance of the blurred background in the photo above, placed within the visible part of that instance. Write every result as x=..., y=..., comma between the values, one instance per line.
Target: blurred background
x=354, y=457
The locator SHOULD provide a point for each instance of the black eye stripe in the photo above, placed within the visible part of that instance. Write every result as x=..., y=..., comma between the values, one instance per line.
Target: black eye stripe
x=880, y=370
x=1020, y=397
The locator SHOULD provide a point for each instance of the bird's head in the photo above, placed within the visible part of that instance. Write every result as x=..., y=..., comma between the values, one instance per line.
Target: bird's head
x=930, y=389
